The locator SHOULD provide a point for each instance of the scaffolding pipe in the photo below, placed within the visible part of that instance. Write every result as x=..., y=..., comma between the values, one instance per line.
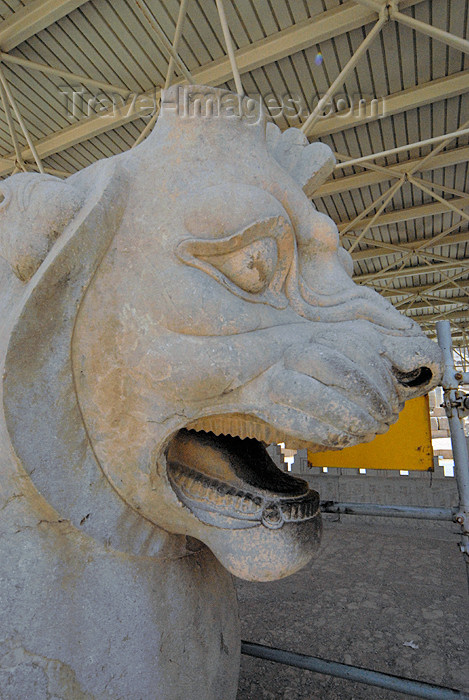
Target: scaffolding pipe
x=418, y=689
x=450, y=382
x=390, y=511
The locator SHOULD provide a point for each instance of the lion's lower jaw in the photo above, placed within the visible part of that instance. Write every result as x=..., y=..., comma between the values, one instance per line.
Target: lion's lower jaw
x=228, y=507
x=261, y=523
x=259, y=554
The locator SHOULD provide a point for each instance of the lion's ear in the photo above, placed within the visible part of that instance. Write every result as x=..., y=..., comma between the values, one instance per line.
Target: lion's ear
x=34, y=211
x=310, y=164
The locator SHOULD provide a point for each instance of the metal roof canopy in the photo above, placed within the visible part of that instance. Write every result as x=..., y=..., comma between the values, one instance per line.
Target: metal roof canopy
x=384, y=84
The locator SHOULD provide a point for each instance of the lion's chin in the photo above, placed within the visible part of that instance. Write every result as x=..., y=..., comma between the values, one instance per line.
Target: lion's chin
x=261, y=523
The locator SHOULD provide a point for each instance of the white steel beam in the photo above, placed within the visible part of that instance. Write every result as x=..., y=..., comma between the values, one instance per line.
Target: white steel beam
x=211, y=75
x=456, y=42
x=319, y=28
x=229, y=46
x=398, y=215
x=341, y=78
x=43, y=68
x=413, y=271
x=437, y=302
x=464, y=313
x=399, y=149
x=365, y=179
x=426, y=93
x=421, y=288
x=450, y=239
x=33, y=17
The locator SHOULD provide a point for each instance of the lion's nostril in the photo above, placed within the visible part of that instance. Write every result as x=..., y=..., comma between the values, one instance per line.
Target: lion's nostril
x=416, y=377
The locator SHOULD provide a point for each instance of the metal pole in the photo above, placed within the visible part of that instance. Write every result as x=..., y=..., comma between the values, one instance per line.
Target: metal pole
x=169, y=75
x=17, y=112
x=391, y=193
x=164, y=40
x=229, y=47
x=316, y=113
x=353, y=673
x=11, y=126
x=176, y=40
x=372, y=4
x=455, y=42
x=450, y=383
x=42, y=68
x=390, y=511
x=399, y=149
x=446, y=202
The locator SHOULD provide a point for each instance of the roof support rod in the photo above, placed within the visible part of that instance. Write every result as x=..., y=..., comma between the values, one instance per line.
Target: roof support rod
x=447, y=282
x=169, y=75
x=455, y=42
x=12, y=101
x=392, y=191
x=403, y=247
x=32, y=18
x=372, y=4
x=350, y=224
x=176, y=40
x=229, y=47
x=432, y=193
x=413, y=271
x=421, y=166
x=382, y=248
x=407, y=147
x=167, y=44
x=43, y=68
x=339, y=81
x=14, y=137
x=452, y=40
x=384, y=174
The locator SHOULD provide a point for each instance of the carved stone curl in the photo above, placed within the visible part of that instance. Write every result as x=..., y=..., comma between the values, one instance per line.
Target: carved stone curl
x=164, y=313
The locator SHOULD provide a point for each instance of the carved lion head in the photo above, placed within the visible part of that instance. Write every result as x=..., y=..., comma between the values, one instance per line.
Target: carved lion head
x=211, y=311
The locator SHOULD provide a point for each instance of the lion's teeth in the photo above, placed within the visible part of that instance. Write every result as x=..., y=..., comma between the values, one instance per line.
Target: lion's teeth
x=243, y=427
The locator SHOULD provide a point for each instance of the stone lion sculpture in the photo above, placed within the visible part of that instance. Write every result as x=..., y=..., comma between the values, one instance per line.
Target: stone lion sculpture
x=166, y=313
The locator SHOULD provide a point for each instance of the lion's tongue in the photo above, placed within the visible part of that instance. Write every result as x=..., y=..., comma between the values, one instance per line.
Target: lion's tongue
x=240, y=463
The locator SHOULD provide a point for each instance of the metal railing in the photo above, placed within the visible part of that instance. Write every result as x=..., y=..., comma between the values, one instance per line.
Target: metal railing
x=353, y=673
x=457, y=406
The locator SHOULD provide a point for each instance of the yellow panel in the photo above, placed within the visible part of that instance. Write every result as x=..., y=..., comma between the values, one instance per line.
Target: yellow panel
x=406, y=445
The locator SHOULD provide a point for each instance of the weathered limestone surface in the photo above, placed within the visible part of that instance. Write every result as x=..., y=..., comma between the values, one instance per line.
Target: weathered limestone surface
x=151, y=307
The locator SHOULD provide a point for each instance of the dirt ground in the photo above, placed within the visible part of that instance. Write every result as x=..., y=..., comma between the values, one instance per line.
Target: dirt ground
x=373, y=588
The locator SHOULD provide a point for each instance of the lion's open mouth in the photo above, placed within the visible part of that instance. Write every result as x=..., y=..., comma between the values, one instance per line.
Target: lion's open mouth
x=231, y=482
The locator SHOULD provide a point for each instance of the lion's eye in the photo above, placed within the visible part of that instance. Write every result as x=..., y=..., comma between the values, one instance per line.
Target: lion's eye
x=254, y=261
x=251, y=268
